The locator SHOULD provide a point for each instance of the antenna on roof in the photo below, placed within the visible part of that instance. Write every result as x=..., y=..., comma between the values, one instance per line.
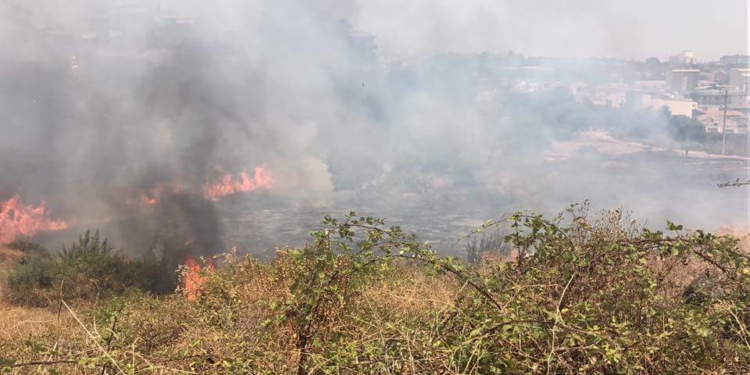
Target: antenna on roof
x=724, y=125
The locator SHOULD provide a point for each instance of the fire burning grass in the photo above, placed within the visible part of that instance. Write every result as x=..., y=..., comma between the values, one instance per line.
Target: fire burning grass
x=331, y=307
x=20, y=220
x=227, y=185
x=192, y=278
x=230, y=186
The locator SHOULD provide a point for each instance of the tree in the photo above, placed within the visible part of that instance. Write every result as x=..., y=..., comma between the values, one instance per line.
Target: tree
x=654, y=69
x=684, y=128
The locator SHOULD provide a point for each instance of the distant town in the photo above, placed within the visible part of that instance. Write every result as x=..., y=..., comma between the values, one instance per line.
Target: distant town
x=708, y=92
x=713, y=93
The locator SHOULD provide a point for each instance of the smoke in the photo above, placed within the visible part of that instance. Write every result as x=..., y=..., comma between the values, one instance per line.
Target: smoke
x=103, y=103
x=584, y=28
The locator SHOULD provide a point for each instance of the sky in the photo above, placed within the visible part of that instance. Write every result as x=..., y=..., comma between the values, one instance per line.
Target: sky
x=633, y=29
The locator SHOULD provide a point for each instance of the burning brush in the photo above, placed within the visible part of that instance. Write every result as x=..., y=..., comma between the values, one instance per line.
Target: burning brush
x=212, y=191
x=230, y=186
x=20, y=220
x=193, y=275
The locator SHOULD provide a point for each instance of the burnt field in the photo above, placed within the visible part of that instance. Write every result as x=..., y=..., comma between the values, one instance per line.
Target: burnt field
x=651, y=186
x=259, y=225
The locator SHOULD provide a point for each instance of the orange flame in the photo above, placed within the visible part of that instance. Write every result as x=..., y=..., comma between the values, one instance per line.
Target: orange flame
x=230, y=186
x=153, y=196
x=20, y=220
x=147, y=200
x=226, y=186
x=192, y=280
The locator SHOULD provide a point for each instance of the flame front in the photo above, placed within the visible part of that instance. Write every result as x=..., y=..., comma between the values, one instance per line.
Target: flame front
x=153, y=196
x=192, y=280
x=213, y=191
x=20, y=220
x=150, y=200
x=230, y=186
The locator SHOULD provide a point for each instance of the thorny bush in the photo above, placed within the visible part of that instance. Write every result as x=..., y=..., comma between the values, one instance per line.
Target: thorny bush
x=582, y=293
x=86, y=270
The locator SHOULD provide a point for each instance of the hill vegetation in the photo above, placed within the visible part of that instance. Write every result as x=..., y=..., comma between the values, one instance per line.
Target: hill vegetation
x=577, y=293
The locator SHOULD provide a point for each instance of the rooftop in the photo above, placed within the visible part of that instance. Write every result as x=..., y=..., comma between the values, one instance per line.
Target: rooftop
x=713, y=91
x=712, y=112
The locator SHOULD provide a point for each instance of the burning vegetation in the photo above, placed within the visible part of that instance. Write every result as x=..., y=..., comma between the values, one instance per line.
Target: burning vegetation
x=245, y=183
x=586, y=295
x=18, y=220
x=192, y=279
x=22, y=221
x=227, y=185
x=164, y=118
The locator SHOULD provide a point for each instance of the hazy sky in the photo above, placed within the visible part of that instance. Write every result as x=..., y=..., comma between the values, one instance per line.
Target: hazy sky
x=582, y=28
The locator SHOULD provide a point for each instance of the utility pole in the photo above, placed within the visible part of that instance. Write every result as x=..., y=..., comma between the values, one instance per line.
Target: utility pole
x=724, y=125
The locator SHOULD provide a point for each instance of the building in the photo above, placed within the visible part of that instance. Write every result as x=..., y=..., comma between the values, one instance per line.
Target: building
x=715, y=97
x=677, y=107
x=605, y=99
x=740, y=78
x=684, y=58
x=713, y=120
x=682, y=80
x=735, y=60
x=612, y=96
x=641, y=100
x=651, y=85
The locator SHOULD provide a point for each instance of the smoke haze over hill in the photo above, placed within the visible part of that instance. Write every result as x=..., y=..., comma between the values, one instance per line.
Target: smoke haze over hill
x=107, y=104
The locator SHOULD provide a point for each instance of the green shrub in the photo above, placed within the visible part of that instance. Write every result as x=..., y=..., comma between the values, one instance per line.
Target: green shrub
x=28, y=247
x=87, y=270
x=31, y=278
x=492, y=242
x=586, y=294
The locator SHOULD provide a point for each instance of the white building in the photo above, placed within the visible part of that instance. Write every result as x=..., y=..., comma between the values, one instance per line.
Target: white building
x=639, y=100
x=713, y=120
x=742, y=60
x=684, y=58
x=717, y=96
x=682, y=80
x=740, y=78
x=653, y=85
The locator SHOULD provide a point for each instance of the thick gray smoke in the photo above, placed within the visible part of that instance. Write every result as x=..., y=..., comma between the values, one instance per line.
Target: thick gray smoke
x=102, y=102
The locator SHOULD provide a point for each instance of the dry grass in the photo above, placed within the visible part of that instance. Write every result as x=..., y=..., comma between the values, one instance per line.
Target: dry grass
x=412, y=293
x=680, y=274
x=743, y=234
x=8, y=255
x=22, y=323
x=8, y=258
x=28, y=323
x=19, y=325
x=227, y=323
